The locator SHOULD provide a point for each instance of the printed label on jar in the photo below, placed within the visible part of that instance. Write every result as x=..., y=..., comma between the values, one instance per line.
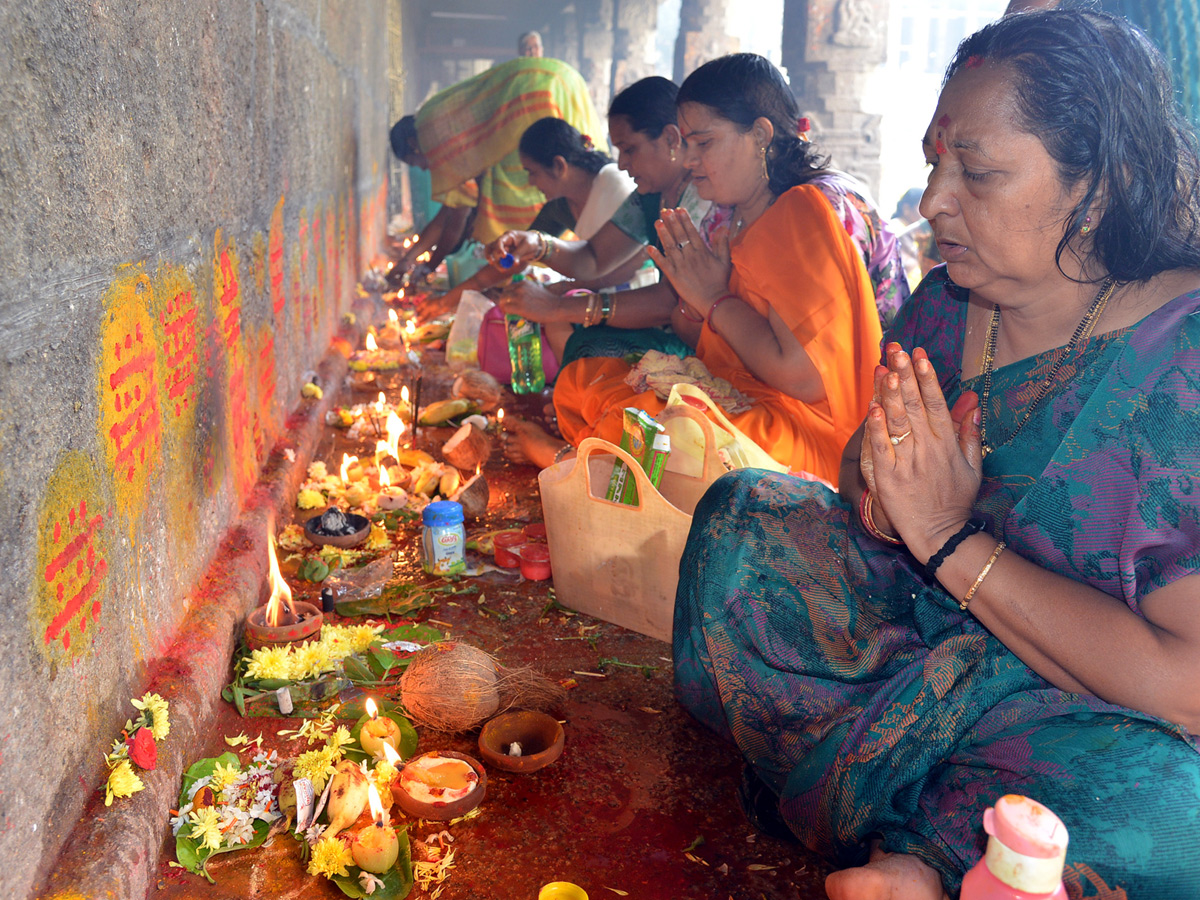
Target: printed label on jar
x=442, y=550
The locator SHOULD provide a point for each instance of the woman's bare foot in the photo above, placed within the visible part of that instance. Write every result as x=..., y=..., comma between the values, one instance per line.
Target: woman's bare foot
x=525, y=442
x=888, y=876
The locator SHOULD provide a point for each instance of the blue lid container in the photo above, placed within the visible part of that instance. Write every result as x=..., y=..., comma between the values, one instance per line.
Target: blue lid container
x=443, y=512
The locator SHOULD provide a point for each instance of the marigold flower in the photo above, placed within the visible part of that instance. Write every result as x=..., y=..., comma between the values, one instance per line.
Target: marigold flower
x=330, y=857
x=122, y=782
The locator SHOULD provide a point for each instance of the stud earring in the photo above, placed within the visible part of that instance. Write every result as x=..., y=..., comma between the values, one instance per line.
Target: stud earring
x=1087, y=225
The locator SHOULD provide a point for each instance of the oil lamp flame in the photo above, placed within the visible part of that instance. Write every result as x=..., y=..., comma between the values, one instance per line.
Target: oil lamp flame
x=395, y=428
x=425, y=257
x=376, y=805
x=381, y=402
x=500, y=417
x=381, y=450
x=370, y=343
x=281, y=594
x=347, y=461
x=390, y=754
x=371, y=708
x=393, y=318
x=411, y=328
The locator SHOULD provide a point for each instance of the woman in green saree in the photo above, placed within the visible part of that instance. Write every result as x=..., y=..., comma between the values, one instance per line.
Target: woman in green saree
x=1005, y=596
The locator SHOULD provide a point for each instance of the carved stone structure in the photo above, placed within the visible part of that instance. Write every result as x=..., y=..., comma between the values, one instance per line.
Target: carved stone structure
x=634, y=27
x=701, y=35
x=596, y=49
x=829, y=49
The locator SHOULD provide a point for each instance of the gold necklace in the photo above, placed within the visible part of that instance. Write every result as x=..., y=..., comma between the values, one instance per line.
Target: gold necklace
x=1082, y=332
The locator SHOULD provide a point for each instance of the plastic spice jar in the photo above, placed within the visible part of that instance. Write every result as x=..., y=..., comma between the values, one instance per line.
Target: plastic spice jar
x=506, y=548
x=443, y=539
x=535, y=562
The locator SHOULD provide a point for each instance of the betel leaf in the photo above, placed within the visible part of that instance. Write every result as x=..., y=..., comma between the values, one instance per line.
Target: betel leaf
x=189, y=852
x=357, y=670
x=397, y=881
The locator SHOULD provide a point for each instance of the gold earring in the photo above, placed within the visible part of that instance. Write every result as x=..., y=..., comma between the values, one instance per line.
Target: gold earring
x=766, y=174
x=1087, y=225
x=672, y=154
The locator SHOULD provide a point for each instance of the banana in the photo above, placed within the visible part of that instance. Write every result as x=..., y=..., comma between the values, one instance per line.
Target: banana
x=347, y=796
x=425, y=480
x=413, y=458
x=449, y=481
x=442, y=411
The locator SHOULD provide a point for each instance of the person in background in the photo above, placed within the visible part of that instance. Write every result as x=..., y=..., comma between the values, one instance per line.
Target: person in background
x=776, y=299
x=917, y=247
x=642, y=126
x=529, y=44
x=583, y=188
x=1004, y=597
x=467, y=137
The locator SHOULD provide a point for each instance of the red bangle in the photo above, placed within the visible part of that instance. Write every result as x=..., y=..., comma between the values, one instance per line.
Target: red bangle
x=712, y=309
x=686, y=312
x=868, y=520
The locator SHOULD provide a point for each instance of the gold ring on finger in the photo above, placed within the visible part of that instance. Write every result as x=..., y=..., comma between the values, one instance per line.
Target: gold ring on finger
x=896, y=439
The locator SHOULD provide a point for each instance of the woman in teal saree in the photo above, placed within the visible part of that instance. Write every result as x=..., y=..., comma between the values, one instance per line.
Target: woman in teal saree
x=1005, y=598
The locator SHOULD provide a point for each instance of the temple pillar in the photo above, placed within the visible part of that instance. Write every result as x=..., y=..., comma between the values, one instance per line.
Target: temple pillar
x=596, y=49
x=635, y=25
x=830, y=48
x=701, y=35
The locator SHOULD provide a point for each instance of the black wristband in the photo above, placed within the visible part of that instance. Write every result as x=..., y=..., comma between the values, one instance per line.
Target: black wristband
x=974, y=525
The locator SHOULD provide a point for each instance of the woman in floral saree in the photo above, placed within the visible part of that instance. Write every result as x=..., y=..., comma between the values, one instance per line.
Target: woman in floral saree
x=1005, y=596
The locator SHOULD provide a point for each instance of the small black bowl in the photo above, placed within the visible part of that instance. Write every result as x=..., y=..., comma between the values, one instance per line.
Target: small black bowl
x=362, y=530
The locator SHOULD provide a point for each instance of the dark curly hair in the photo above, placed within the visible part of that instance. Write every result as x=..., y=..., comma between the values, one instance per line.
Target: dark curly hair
x=742, y=87
x=1096, y=93
x=550, y=137
x=649, y=105
x=403, y=138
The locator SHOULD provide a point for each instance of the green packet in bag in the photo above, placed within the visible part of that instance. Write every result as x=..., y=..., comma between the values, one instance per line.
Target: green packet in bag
x=646, y=441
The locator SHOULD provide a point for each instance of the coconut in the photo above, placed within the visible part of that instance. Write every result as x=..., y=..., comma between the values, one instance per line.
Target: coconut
x=473, y=496
x=479, y=386
x=451, y=686
x=468, y=448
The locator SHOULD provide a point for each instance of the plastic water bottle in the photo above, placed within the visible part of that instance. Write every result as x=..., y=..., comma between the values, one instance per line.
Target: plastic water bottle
x=525, y=353
x=1026, y=849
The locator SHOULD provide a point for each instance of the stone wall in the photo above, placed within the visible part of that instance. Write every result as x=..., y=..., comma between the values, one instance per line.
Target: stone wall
x=187, y=192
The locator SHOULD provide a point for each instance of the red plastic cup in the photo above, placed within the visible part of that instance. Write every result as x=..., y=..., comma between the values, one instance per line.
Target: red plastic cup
x=506, y=547
x=535, y=532
x=535, y=562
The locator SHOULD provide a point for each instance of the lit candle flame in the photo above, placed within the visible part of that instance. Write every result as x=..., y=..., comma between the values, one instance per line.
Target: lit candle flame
x=477, y=468
x=425, y=257
x=376, y=805
x=407, y=243
x=416, y=237
x=395, y=428
x=370, y=342
x=281, y=594
x=404, y=394
x=411, y=328
x=500, y=417
x=371, y=708
x=392, y=317
x=347, y=460
x=390, y=754
x=381, y=402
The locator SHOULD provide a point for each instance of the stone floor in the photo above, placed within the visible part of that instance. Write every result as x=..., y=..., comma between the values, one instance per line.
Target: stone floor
x=642, y=802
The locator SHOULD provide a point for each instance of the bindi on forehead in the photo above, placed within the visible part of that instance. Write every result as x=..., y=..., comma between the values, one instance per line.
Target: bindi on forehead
x=940, y=144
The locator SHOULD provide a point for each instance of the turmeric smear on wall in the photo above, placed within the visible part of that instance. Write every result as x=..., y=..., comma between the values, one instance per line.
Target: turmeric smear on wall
x=178, y=319
x=130, y=424
x=275, y=260
x=227, y=294
x=71, y=581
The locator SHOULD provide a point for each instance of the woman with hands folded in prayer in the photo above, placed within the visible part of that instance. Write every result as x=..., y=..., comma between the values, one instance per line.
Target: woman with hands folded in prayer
x=1005, y=595
x=781, y=308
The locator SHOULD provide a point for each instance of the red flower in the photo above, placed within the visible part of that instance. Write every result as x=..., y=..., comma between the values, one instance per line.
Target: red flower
x=142, y=749
x=803, y=126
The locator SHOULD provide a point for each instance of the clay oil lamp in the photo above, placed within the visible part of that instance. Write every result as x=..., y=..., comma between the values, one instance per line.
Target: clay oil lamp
x=377, y=731
x=440, y=785
x=281, y=620
x=375, y=848
x=523, y=740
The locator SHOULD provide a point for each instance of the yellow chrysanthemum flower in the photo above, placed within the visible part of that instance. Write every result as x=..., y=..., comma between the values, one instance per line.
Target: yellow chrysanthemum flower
x=269, y=662
x=223, y=776
x=309, y=499
x=378, y=539
x=330, y=857
x=122, y=782
x=317, y=766
x=339, y=739
x=206, y=827
x=310, y=660
x=157, y=714
x=384, y=774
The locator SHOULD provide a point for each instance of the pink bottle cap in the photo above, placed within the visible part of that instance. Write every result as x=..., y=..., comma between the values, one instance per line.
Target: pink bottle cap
x=1026, y=827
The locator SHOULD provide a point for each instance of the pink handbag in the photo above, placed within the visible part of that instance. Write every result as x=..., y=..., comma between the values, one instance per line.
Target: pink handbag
x=493, y=349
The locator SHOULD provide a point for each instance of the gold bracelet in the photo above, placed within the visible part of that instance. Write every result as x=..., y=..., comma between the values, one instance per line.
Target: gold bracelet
x=593, y=307
x=987, y=567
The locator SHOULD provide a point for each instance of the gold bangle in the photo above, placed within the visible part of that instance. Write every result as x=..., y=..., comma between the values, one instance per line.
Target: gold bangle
x=987, y=567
